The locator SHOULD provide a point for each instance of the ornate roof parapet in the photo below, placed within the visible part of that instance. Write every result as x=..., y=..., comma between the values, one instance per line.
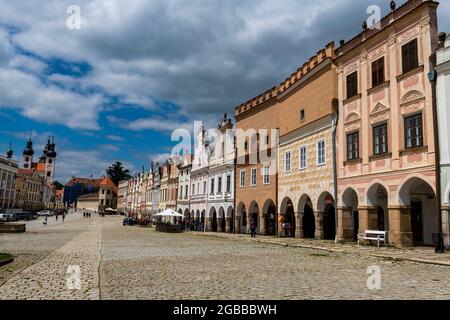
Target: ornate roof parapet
x=394, y=15
x=326, y=53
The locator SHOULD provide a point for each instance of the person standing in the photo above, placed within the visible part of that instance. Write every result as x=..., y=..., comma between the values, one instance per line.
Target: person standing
x=253, y=228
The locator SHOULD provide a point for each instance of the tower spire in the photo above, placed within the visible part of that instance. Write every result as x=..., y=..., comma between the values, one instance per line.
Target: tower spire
x=10, y=152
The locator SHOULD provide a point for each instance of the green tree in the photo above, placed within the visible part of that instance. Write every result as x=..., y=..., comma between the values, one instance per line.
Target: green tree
x=117, y=172
x=58, y=185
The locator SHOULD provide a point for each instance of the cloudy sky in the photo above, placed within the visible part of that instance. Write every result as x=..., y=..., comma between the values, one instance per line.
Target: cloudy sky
x=138, y=69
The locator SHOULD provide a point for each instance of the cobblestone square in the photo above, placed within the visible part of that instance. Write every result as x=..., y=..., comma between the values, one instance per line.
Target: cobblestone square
x=119, y=262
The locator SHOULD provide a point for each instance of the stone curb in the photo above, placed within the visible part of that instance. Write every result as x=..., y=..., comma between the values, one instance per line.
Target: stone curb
x=304, y=246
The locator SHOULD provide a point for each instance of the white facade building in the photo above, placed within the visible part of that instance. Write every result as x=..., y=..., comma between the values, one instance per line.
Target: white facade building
x=8, y=173
x=443, y=115
x=184, y=188
x=199, y=177
x=221, y=180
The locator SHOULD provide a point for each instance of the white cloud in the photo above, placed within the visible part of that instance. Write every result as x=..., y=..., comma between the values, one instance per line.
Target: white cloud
x=155, y=124
x=115, y=138
x=109, y=147
x=206, y=56
x=68, y=164
x=47, y=103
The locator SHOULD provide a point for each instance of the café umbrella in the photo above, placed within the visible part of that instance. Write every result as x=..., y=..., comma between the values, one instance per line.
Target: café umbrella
x=169, y=213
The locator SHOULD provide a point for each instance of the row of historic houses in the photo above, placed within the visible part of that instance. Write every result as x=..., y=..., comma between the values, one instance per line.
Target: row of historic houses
x=361, y=144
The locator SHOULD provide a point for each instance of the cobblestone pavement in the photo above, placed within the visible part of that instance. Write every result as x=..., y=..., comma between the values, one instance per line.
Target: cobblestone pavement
x=43, y=274
x=416, y=254
x=138, y=263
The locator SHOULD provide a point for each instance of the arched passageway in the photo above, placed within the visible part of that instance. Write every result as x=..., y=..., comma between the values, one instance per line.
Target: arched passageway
x=253, y=216
x=270, y=214
x=230, y=217
x=214, y=222
x=241, y=220
x=287, y=218
x=349, y=215
x=308, y=220
x=418, y=214
x=221, y=221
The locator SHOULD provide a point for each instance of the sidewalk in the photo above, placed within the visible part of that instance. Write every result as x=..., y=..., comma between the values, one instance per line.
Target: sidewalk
x=415, y=254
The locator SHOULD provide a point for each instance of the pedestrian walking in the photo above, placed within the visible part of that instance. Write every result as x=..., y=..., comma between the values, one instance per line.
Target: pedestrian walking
x=89, y=215
x=253, y=228
x=84, y=214
x=63, y=217
x=45, y=221
x=56, y=216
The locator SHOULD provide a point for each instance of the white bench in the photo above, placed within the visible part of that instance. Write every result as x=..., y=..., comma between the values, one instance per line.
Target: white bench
x=375, y=235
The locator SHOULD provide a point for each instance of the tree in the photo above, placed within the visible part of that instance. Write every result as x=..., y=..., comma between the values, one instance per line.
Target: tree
x=58, y=185
x=117, y=172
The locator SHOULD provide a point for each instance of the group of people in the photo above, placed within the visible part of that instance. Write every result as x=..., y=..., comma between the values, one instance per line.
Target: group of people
x=87, y=215
x=195, y=225
x=63, y=216
x=61, y=213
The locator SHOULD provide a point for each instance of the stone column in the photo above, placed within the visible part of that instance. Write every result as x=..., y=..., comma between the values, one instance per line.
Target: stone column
x=319, y=234
x=368, y=218
x=446, y=225
x=347, y=223
x=299, y=225
x=237, y=224
x=280, y=225
x=228, y=222
x=208, y=224
x=340, y=228
x=400, y=226
x=219, y=225
x=262, y=225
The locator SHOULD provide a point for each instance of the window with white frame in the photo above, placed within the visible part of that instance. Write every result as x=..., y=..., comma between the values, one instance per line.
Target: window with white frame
x=320, y=152
x=242, y=178
x=253, y=177
x=266, y=175
x=302, y=158
x=287, y=162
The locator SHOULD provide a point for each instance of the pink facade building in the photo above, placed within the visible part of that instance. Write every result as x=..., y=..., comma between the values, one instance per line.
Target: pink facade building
x=386, y=142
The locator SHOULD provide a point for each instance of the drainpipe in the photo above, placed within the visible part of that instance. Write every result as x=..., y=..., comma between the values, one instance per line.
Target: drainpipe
x=276, y=184
x=432, y=77
x=334, y=121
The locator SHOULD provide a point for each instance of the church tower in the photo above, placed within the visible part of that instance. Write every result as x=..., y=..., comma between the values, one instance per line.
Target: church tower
x=50, y=157
x=28, y=153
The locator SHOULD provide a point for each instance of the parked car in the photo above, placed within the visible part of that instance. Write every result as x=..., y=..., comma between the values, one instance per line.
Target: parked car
x=45, y=213
x=25, y=216
x=7, y=217
x=129, y=221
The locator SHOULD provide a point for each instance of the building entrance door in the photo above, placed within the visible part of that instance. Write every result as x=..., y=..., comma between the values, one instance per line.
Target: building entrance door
x=417, y=222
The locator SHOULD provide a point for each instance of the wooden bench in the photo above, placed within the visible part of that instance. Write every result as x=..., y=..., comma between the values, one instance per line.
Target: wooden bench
x=374, y=235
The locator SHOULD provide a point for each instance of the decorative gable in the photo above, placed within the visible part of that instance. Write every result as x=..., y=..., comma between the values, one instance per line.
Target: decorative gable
x=352, y=117
x=379, y=108
x=411, y=96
